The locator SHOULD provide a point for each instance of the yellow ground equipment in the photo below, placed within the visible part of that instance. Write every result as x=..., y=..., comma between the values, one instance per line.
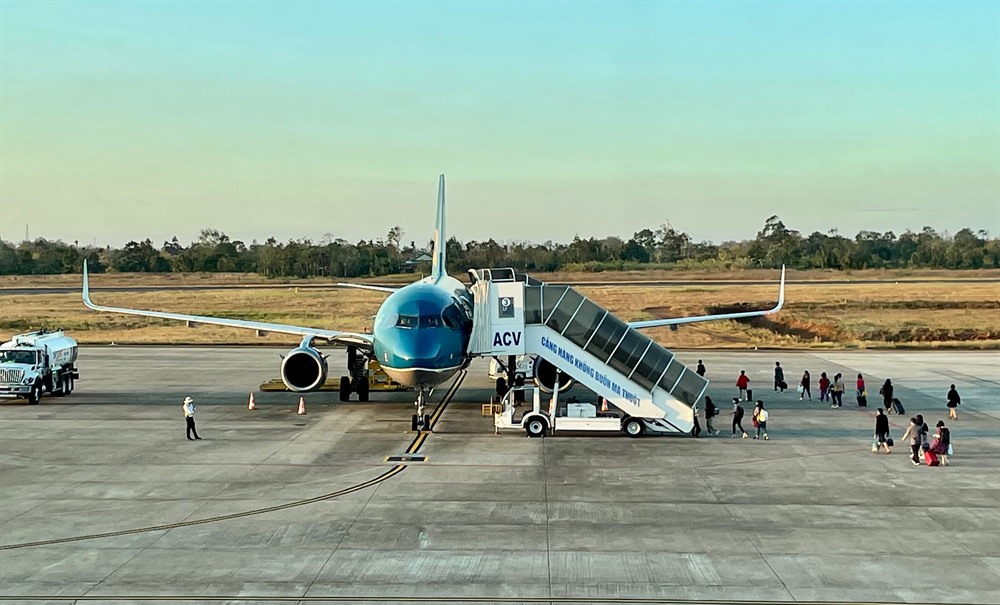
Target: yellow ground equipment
x=378, y=380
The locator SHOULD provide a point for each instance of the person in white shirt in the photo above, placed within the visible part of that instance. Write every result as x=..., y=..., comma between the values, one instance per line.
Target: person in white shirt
x=189, y=410
x=761, y=420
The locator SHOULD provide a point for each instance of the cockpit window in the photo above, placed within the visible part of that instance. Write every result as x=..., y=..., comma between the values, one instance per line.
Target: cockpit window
x=406, y=321
x=453, y=318
x=430, y=321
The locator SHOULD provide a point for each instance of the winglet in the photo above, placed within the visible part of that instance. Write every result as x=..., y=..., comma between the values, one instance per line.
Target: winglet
x=438, y=268
x=781, y=293
x=86, y=287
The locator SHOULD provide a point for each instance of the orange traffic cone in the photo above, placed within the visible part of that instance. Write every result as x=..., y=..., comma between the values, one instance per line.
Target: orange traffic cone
x=251, y=405
x=302, y=406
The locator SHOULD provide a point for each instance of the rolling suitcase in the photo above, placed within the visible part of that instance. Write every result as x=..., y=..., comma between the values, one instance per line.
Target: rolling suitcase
x=897, y=406
x=862, y=401
x=749, y=395
x=931, y=459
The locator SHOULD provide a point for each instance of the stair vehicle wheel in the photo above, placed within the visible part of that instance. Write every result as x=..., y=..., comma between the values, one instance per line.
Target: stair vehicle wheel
x=36, y=394
x=536, y=427
x=634, y=427
x=501, y=386
x=345, y=388
x=361, y=387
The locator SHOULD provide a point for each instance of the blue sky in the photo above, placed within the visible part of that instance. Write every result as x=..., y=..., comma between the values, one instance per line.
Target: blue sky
x=130, y=120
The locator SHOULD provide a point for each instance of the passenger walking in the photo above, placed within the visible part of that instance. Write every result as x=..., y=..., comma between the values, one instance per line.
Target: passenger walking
x=189, y=410
x=824, y=386
x=837, y=391
x=738, y=417
x=941, y=444
x=701, y=369
x=953, y=402
x=761, y=424
x=913, y=432
x=779, y=378
x=886, y=392
x=743, y=383
x=710, y=412
x=881, y=432
x=697, y=427
x=804, y=386
x=863, y=394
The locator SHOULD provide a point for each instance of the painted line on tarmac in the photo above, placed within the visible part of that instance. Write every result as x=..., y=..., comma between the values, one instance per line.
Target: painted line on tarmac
x=413, y=448
x=449, y=599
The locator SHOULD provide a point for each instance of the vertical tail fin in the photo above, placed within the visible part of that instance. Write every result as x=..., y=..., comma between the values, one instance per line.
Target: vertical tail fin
x=438, y=268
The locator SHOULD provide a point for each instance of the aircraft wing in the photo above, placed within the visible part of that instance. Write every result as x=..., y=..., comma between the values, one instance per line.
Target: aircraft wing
x=362, y=341
x=653, y=323
x=367, y=287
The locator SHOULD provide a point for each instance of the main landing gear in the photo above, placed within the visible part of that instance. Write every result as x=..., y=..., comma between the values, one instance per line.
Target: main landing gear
x=421, y=418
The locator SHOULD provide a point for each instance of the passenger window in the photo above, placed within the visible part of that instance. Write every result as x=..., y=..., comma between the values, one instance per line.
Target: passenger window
x=407, y=321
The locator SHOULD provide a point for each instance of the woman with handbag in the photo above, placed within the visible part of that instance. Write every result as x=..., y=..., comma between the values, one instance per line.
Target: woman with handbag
x=804, y=386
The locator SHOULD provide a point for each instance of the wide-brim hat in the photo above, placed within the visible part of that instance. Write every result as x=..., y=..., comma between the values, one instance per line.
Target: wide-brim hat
x=188, y=400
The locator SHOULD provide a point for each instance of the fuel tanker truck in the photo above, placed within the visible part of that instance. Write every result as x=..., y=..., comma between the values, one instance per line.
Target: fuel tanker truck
x=35, y=363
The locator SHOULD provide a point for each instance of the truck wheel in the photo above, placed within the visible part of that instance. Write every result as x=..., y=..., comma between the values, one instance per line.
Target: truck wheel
x=69, y=384
x=536, y=427
x=633, y=427
x=361, y=387
x=345, y=388
x=60, y=387
x=36, y=394
x=501, y=386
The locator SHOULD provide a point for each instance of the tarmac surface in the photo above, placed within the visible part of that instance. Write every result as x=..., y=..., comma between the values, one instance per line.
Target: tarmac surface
x=272, y=505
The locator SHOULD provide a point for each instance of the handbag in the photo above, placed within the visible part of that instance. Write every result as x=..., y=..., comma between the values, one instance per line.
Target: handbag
x=801, y=389
x=950, y=451
x=889, y=442
x=874, y=445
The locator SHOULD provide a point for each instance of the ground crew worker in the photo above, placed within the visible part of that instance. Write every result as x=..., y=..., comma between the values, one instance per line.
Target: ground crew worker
x=189, y=410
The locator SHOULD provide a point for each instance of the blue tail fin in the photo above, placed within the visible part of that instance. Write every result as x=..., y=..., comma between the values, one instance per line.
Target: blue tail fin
x=438, y=268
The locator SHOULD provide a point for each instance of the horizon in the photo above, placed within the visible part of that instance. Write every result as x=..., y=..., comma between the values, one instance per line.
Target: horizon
x=550, y=120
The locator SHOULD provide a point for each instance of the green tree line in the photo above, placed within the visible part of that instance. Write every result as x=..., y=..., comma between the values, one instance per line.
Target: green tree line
x=665, y=247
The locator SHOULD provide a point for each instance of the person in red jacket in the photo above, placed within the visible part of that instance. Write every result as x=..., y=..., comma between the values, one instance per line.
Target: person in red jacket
x=742, y=383
x=824, y=386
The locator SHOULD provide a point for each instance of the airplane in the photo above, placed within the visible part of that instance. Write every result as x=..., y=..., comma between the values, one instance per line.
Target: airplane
x=420, y=335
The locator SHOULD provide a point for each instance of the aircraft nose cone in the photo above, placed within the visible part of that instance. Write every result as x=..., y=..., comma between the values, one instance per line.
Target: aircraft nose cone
x=414, y=351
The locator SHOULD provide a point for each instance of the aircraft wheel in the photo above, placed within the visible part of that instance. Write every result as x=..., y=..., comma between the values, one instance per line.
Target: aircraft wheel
x=362, y=389
x=414, y=420
x=634, y=428
x=345, y=388
x=536, y=427
x=427, y=422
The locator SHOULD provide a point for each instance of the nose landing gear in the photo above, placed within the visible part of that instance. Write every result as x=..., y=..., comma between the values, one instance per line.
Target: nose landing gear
x=421, y=418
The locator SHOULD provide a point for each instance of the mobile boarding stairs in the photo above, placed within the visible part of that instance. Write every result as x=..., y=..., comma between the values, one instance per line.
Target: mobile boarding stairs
x=644, y=383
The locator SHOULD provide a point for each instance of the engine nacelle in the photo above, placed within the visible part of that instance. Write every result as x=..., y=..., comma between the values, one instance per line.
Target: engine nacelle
x=545, y=376
x=303, y=369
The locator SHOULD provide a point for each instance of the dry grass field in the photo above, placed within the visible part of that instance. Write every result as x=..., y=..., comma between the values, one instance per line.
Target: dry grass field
x=816, y=315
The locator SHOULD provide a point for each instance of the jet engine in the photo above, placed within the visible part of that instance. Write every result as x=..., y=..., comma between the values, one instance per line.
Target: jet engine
x=303, y=369
x=545, y=376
